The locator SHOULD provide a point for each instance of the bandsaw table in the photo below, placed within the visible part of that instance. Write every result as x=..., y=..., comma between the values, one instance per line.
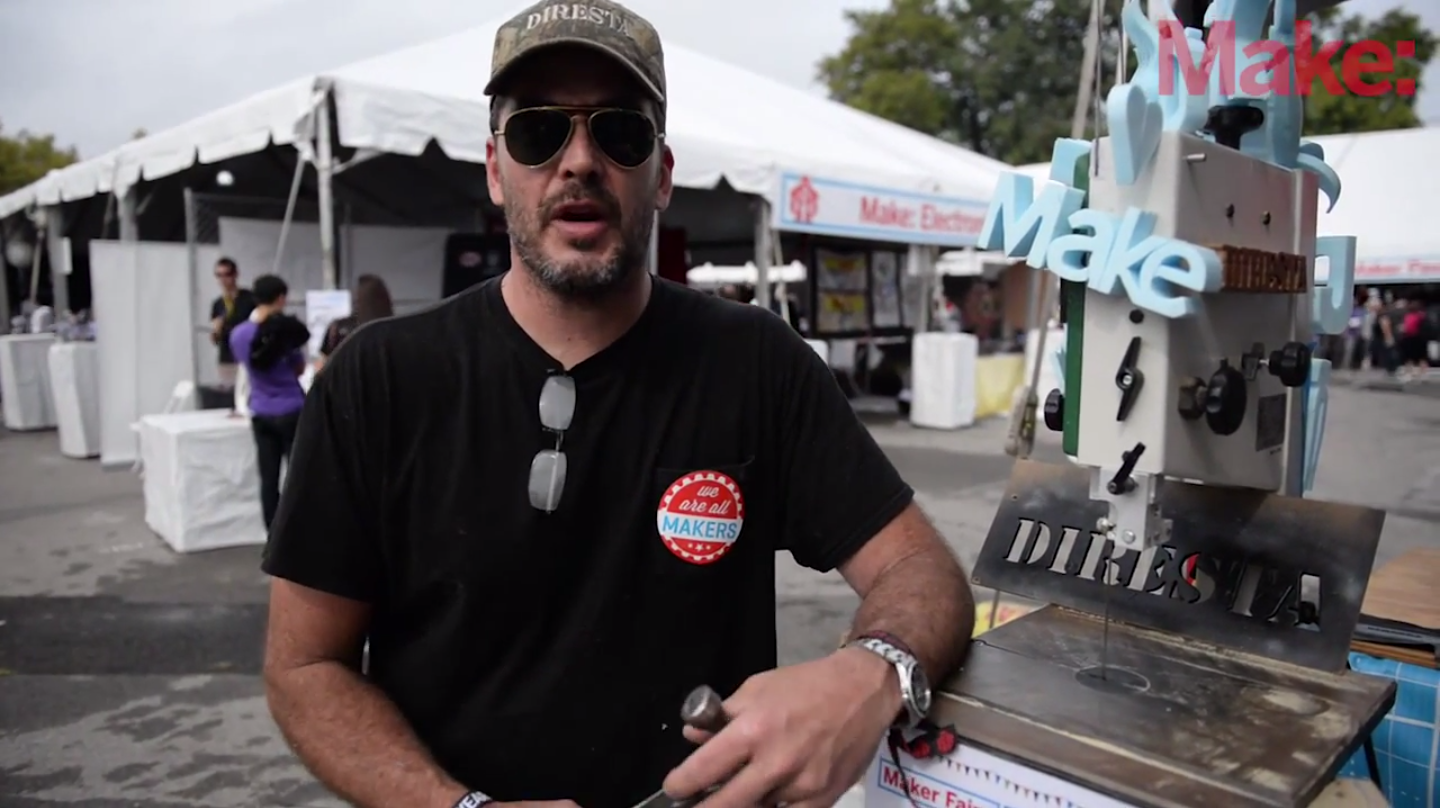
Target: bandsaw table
x=1182, y=700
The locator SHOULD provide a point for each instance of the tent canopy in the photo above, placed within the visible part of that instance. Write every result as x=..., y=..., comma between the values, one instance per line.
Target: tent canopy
x=725, y=123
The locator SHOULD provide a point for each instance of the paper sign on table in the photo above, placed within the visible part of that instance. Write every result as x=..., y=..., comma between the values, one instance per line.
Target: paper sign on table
x=323, y=307
x=971, y=778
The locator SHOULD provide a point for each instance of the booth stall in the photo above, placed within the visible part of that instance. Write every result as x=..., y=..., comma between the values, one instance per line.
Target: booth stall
x=376, y=168
x=990, y=296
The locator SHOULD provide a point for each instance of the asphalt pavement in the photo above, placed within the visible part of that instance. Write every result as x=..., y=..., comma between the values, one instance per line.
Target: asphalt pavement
x=129, y=673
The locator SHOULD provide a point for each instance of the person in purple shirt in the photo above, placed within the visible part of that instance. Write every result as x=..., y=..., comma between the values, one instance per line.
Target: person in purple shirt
x=276, y=396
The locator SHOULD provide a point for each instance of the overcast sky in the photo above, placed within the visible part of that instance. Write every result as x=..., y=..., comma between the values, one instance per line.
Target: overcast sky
x=93, y=71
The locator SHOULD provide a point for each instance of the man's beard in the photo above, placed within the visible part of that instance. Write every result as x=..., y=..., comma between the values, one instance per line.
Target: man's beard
x=588, y=278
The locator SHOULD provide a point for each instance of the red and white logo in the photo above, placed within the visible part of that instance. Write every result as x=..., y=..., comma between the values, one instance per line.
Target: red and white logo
x=700, y=516
x=804, y=201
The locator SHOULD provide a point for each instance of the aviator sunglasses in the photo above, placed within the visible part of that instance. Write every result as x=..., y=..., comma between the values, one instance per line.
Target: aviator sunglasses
x=535, y=135
x=547, y=469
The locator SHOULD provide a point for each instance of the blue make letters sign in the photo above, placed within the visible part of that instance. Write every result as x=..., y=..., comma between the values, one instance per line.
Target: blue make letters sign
x=1108, y=253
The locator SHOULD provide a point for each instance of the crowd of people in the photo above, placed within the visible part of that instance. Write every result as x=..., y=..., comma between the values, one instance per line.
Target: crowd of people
x=1398, y=334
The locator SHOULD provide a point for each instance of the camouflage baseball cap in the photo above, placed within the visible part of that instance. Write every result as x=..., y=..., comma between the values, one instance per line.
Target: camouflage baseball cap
x=603, y=25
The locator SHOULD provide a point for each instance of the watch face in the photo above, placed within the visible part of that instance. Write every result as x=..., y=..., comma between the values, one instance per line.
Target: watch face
x=920, y=687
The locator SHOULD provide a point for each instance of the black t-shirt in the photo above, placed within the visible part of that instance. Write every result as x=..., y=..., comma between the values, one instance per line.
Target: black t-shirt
x=545, y=656
x=244, y=305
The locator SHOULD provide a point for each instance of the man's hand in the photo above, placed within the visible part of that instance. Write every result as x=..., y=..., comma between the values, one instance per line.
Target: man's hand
x=800, y=735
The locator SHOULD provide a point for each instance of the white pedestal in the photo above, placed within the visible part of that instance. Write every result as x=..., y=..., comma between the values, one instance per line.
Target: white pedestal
x=75, y=388
x=25, y=381
x=942, y=380
x=202, y=487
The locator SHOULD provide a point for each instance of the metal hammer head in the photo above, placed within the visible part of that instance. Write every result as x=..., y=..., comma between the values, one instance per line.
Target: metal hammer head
x=704, y=710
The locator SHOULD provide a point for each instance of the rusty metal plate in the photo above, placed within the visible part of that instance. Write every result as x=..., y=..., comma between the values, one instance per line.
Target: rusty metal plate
x=1280, y=577
x=1167, y=723
x=1244, y=269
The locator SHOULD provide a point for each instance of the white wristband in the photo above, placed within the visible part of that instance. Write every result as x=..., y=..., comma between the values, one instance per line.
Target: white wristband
x=473, y=800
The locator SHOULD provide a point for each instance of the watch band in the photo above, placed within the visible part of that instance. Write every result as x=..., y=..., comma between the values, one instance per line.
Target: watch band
x=885, y=637
x=473, y=800
x=890, y=652
x=914, y=688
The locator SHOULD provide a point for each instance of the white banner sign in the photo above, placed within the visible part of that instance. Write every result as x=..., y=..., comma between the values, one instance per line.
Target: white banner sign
x=1415, y=269
x=831, y=208
x=970, y=778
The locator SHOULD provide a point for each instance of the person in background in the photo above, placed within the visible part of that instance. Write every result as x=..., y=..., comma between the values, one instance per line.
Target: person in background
x=1414, y=341
x=231, y=308
x=270, y=343
x=371, y=302
x=1381, y=336
x=1355, y=347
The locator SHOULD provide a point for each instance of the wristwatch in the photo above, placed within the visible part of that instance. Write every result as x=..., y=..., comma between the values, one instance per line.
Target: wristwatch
x=914, y=685
x=473, y=800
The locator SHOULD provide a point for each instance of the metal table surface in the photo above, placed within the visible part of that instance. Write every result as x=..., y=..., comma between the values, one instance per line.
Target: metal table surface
x=1224, y=659
x=1172, y=723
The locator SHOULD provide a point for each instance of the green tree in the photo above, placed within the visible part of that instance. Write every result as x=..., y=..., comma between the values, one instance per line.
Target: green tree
x=26, y=157
x=1327, y=113
x=998, y=77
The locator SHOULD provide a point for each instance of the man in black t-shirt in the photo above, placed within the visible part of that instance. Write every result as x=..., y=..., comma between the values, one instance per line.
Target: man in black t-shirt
x=232, y=307
x=552, y=503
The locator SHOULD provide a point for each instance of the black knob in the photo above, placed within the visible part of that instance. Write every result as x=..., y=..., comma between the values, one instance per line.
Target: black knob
x=1055, y=411
x=1225, y=400
x=1192, y=400
x=1228, y=123
x=1124, y=481
x=1291, y=364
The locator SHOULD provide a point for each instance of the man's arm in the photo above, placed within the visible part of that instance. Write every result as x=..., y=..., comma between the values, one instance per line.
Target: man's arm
x=912, y=587
x=217, y=319
x=349, y=735
x=326, y=561
x=848, y=508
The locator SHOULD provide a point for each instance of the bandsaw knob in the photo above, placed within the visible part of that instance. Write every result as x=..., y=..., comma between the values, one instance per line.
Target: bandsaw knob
x=1228, y=123
x=1055, y=411
x=1225, y=400
x=1291, y=364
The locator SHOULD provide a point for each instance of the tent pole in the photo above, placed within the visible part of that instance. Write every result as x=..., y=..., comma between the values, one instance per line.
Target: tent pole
x=325, y=172
x=129, y=215
x=192, y=250
x=763, y=251
x=289, y=211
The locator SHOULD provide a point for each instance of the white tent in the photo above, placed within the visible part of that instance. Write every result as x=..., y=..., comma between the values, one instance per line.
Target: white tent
x=1386, y=181
x=724, y=123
